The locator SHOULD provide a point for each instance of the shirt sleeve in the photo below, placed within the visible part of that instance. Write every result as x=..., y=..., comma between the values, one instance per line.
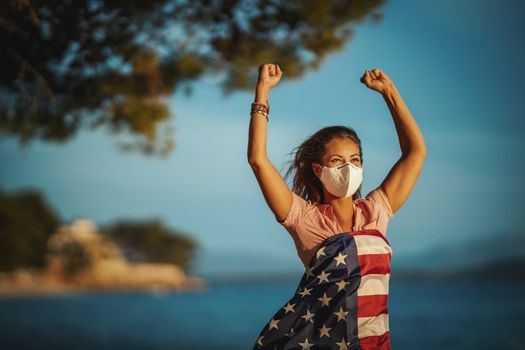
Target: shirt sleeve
x=379, y=197
x=296, y=211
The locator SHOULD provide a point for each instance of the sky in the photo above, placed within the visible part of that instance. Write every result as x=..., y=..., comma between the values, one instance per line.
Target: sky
x=457, y=64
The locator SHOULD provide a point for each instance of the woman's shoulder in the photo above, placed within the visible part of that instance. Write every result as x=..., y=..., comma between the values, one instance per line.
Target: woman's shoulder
x=299, y=208
x=304, y=201
x=377, y=201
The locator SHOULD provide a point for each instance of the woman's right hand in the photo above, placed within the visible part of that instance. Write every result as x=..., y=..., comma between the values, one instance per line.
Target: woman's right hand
x=269, y=75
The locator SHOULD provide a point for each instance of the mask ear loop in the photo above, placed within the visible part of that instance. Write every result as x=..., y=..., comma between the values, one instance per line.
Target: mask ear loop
x=322, y=168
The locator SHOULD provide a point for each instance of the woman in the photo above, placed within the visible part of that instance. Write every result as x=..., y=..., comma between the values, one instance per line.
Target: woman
x=342, y=299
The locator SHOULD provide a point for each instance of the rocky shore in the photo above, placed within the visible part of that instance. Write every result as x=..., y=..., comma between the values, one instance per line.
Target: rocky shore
x=28, y=282
x=80, y=259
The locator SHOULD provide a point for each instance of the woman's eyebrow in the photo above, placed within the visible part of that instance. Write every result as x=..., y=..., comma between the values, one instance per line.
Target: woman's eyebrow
x=355, y=154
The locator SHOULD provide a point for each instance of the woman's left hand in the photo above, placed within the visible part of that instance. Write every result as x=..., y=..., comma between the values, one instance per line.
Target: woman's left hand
x=376, y=80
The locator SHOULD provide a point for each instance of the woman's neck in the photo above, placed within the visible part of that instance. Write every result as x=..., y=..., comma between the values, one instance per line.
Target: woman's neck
x=339, y=202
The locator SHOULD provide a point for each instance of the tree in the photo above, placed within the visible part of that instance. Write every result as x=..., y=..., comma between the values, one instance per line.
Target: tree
x=151, y=241
x=26, y=222
x=92, y=63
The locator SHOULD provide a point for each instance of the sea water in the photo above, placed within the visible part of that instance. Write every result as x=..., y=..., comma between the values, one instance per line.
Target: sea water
x=230, y=316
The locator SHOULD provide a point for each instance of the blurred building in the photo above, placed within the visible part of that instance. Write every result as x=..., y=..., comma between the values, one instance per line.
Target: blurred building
x=84, y=256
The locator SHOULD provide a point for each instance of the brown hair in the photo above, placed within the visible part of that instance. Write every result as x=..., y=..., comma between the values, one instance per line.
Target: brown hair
x=305, y=183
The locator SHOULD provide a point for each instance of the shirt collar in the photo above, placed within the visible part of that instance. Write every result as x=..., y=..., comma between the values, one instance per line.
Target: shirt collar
x=326, y=208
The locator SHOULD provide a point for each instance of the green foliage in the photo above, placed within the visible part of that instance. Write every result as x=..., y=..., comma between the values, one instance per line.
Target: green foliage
x=26, y=221
x=151, y=241
x=114, y=63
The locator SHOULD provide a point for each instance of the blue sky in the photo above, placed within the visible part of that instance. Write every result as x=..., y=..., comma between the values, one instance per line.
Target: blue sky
x=457, y=64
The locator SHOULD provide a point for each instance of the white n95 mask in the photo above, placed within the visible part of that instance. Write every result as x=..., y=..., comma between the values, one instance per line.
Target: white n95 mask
x=342, y=181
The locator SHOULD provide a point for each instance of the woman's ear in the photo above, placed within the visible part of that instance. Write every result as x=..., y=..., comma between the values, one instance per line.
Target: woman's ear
x=317, y=169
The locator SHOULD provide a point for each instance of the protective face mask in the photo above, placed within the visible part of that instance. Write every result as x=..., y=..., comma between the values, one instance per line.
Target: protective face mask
x=342, y=181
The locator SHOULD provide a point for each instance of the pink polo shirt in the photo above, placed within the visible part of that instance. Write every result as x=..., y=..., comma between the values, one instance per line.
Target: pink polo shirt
x=310, y=224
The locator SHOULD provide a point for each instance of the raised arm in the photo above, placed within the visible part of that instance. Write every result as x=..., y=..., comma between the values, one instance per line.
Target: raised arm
x=402, y=178
x=274, y=188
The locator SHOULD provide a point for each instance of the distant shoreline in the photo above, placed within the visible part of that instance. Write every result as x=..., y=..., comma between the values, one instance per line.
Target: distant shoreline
x=34, y=283
x=497, y=273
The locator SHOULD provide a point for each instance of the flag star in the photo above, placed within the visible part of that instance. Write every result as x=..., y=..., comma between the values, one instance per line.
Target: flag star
x=308, y=316
x=273, y=324
x=309, y=272
x=320, y=252
x=259, y=341
x=306, y=291
x=291, y=334
x=340, y=259
x=341, y=315
x=289, y=307
x=342, y=344
x=323, y=276
x=306, y=345
x=341, y=285
x=324, y=300
x=324, y=331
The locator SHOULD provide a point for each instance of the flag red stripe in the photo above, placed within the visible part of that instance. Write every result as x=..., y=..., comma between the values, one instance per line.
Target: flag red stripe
x=374, y=263
x=376, y=342
x=372, y=305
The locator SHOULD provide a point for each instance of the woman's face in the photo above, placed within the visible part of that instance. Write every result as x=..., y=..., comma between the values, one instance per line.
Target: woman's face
x=338, y=152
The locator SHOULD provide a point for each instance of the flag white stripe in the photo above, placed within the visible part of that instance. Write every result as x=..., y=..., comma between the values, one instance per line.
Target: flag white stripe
x=372, y=326
x=368, y=244
x=373, y=283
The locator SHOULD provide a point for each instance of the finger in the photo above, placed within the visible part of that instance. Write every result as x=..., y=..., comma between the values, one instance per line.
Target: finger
x=367, y=79
x=364, y=76
x=275, y=71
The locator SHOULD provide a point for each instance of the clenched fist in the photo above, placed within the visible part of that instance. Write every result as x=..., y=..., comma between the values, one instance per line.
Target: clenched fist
x=269, y=75
x=376, y=80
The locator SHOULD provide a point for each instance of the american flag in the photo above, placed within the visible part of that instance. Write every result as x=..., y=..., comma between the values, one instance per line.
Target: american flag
x=341, y=301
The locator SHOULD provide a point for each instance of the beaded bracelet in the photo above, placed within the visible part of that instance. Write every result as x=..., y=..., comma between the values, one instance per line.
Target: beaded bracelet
x=260, y=107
